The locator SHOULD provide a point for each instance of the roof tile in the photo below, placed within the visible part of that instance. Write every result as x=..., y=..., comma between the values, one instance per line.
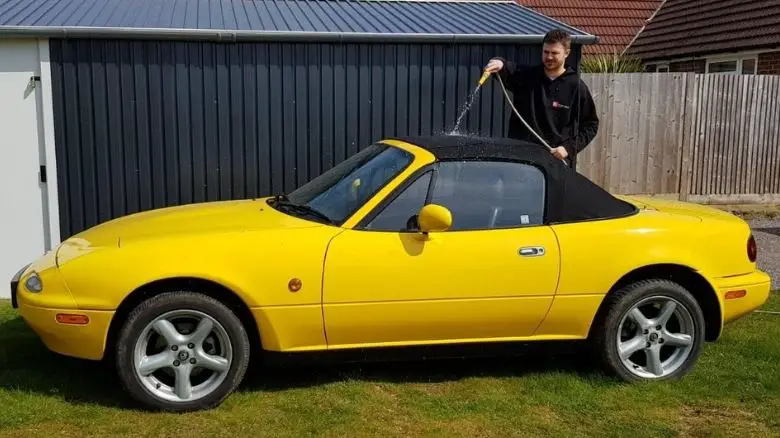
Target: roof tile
x=615, y=22
x=692, y=27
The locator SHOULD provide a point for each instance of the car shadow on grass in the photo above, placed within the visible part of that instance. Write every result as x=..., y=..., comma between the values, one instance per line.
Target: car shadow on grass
x=281, y=372
x=26, y=365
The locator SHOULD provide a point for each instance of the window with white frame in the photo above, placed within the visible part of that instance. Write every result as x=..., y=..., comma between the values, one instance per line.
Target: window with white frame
x=734, y=65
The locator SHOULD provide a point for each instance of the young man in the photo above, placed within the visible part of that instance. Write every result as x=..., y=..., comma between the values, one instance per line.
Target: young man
x=552, y=99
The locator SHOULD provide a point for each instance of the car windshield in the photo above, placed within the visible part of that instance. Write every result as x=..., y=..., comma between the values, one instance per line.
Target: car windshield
x=338, y=193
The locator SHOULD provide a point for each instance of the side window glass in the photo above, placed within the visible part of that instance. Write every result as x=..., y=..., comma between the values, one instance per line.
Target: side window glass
x=397, y=213
x=485, y=195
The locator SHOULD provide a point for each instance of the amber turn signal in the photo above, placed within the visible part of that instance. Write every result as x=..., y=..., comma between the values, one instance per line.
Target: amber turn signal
x=730, y=295
x=68, y=318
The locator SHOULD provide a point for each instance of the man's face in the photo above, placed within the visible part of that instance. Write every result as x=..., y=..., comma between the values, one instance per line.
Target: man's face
x=554, y=55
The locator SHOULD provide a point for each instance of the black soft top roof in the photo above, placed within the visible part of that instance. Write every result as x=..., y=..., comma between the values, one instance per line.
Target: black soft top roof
x=571, y=197
x=457, y=147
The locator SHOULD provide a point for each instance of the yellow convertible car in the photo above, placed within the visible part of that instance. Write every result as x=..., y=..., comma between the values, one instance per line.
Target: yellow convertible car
x=411, y=241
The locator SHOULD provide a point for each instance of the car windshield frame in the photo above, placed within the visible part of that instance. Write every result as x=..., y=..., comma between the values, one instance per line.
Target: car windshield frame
x=329, y=197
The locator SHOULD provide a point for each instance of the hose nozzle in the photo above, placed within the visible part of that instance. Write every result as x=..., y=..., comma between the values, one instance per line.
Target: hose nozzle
x=484, y=77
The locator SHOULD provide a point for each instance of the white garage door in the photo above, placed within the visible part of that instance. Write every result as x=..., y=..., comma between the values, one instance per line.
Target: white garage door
x=23, y=201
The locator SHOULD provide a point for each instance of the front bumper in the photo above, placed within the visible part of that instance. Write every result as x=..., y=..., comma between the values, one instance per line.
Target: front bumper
x=54, y=315
x=83, y=341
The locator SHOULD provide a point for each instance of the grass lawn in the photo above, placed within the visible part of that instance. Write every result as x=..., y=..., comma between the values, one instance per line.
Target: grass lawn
x=734, y=391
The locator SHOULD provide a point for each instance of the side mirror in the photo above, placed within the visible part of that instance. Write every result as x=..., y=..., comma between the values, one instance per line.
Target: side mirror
x=434, y=217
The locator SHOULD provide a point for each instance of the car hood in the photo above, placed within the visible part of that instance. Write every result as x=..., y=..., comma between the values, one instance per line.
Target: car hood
x=194, y=219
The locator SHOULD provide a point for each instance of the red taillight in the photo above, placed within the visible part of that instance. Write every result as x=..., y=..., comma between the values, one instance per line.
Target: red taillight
x=752, y=249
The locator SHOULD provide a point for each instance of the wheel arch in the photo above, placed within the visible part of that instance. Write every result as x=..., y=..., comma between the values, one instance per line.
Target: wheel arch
x=206, y=287
x=685, y=276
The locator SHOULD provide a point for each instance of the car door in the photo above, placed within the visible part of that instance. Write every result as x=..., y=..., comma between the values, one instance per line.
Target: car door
x=492, y=275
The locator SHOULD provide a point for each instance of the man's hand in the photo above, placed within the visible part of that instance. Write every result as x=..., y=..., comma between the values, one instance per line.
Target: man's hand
x=560, y=152
x=494, y=65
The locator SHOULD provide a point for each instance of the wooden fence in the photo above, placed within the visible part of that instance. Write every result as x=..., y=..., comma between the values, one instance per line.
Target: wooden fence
x=701, y=137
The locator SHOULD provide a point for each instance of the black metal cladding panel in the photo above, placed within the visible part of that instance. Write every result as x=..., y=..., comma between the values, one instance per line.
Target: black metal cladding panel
x=146, y=124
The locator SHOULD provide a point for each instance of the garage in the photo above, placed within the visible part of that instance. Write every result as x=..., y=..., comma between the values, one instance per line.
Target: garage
x=29, y=224
x=126, y=106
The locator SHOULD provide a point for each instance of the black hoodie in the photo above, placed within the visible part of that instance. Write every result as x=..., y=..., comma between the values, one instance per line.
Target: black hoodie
x=560, y=110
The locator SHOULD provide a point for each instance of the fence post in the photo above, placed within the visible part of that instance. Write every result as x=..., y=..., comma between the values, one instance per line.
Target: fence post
x=687, y=135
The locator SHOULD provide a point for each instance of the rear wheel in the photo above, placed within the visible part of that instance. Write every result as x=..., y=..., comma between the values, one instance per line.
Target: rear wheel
x=652, y=330
x=182, y=351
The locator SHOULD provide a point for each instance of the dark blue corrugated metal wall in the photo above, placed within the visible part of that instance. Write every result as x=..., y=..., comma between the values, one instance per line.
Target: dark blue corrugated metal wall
x=147, y=124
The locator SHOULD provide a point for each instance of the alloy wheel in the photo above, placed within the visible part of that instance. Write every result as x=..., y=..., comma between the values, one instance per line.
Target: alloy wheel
x=182, y=356
x=655, y=337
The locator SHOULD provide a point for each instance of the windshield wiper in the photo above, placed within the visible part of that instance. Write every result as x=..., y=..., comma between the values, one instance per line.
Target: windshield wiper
x=303, y=209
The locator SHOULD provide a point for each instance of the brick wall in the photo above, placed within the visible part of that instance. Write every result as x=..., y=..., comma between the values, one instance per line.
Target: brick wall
x=696, y=66
x=769, y=63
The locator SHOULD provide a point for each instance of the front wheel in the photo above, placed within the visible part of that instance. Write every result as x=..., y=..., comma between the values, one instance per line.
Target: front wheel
x=652, y=330
x=182, y=351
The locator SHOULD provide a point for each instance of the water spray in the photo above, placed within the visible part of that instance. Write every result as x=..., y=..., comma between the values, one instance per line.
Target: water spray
x=470, y=101
x=485, y=76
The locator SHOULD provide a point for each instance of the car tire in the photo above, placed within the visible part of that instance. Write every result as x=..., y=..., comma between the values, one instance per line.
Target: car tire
x=676, y=346
x=213, y=359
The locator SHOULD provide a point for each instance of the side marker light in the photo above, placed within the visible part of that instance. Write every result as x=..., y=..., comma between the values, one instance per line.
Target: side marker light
x=68, y=318
x=732, y=294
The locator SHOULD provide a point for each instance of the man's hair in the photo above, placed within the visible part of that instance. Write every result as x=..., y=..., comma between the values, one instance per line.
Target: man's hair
x=558, y=36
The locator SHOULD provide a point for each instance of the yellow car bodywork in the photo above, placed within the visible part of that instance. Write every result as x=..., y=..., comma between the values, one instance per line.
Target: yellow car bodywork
x=312, y=286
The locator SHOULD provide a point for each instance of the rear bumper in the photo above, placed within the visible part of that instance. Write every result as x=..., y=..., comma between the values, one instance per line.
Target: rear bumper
x=83, y=341
x=742, y=294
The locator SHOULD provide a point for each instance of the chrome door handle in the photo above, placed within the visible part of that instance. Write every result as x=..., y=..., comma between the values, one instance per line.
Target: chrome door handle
x=532, y=251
